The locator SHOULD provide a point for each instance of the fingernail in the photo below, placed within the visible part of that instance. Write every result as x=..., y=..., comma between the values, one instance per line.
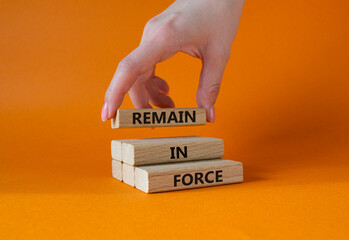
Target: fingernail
x=212, y=114
x=104, y=115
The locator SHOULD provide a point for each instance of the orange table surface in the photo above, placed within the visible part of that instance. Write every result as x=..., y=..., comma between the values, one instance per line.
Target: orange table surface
x=282, y=112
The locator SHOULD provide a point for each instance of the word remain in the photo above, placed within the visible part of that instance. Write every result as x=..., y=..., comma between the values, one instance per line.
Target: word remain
x=198, y=177
x=164, y=117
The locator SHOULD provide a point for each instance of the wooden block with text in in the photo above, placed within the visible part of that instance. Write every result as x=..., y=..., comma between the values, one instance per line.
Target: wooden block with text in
x=116, y=146
x=159, y=117
x=186, y=175
x=173, y=149
x=117, y=170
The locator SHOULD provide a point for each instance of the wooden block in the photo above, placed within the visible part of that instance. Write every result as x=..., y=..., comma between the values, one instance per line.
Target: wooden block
x=159, y=117
x=116, y=148
x=174, y=149
x=117, y=170
x=185, y=175
x=128, y=173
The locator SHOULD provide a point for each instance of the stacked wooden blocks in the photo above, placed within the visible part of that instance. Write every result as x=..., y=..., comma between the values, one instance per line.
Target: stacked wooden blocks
x=175, y=163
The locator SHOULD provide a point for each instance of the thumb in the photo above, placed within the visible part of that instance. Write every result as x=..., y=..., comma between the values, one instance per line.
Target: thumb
x=209, y=85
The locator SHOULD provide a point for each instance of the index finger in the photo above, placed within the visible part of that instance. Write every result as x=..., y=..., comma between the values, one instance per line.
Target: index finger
x=138, y=62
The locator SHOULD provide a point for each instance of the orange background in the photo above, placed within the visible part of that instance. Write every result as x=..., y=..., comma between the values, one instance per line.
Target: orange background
x=282, y=111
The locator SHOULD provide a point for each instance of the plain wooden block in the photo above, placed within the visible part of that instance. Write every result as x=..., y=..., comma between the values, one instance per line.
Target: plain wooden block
x=185, y=175
x=116, y=148
x=128, y=173
x=174, y=149
x=117, y=169
x=159, y=117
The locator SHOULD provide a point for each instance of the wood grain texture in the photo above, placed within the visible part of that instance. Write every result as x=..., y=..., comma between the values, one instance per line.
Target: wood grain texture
x=116, y=146
x=174, y=149
x=158, y=117
x=117, y=169
x=128, y=173
x=186, y=175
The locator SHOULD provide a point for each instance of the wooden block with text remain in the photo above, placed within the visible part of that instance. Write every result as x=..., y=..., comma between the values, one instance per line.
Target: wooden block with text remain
x=159, y=117
x=166, y=150
x=184, y=175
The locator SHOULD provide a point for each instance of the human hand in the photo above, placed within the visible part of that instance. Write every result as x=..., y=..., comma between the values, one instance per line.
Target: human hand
x=204, y=29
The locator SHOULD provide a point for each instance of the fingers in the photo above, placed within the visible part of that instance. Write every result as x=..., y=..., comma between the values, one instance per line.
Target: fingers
x=139, y=94
x=210, y=82
x=137, y=64
x=156, y=95
x=162, y=85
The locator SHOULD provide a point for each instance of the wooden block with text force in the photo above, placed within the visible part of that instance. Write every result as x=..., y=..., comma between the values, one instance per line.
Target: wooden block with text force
x=174, y=149
x=185, y=175
x=117, y=170
x=159, y=117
